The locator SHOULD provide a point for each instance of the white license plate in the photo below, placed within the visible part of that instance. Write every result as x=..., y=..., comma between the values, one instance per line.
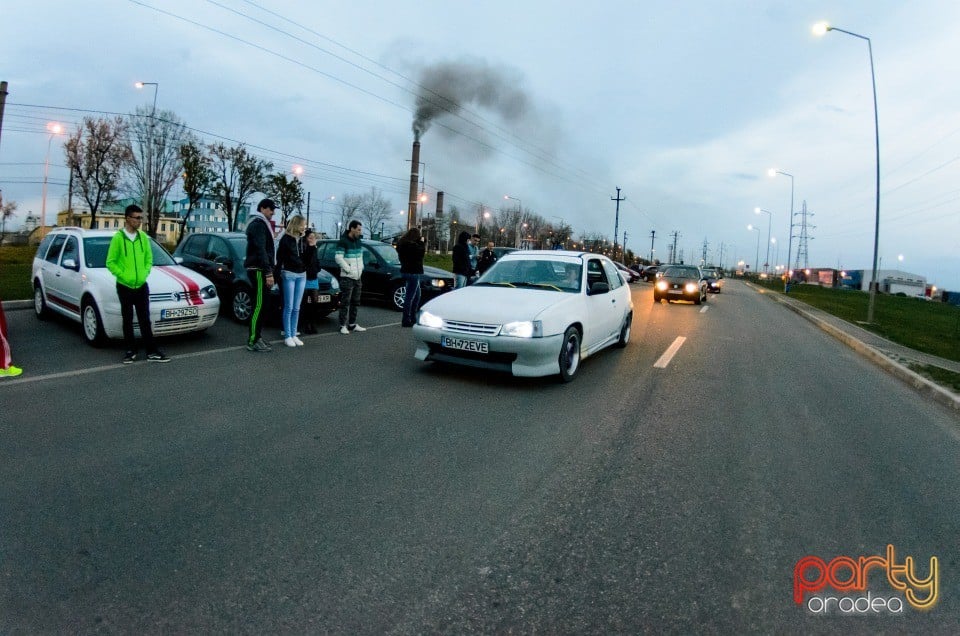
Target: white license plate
x=324, y=298
x=179, y=312
x=464, y=345
x=675, y=291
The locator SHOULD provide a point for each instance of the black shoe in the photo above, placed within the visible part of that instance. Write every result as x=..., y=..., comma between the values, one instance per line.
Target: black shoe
x=157, y=356
x=129, y=357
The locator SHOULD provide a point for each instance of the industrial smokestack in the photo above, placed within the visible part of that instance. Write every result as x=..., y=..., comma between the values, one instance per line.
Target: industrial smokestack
x=414, y=179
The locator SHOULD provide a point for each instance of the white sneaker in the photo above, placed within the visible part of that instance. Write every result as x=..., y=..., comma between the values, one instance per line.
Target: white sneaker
x=358, y=328
x=290, y=342
x=283, y=334
x=344, y=330
x=297, y=341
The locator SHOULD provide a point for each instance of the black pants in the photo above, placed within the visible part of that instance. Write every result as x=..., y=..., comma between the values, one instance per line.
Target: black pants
x=256, y=318
x=138, y=299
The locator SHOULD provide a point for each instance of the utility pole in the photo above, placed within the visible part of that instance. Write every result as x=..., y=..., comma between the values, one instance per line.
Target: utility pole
x=703, y=259
x=624, y=247
x=653, y=235
x=3, y=102
x=673, y=249
x=308, y=209
x=720, y=261
x=616, y=222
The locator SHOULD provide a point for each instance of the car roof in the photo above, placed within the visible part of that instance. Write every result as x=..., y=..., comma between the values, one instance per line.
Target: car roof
x=82, y=231
x=559, y=255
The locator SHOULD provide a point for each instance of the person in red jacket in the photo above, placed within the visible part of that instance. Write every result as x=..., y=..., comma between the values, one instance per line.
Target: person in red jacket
x=7, y=370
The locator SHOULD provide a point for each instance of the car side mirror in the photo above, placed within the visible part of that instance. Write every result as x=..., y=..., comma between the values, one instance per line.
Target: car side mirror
x=69, y=263
x=599, y=287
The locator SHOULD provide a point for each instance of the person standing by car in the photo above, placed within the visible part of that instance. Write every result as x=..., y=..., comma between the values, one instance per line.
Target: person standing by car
x=7, y=370
x=487, y=258
x=349, y=257
x=259, y=265
x=410, y=249
x=308, y=253
x=474, y=247
x=461, y=261
x=130, y=259
x=293, y=277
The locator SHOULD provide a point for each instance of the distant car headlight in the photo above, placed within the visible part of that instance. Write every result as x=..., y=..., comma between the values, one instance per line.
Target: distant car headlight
x=662, y=285
x=208, y=292
x=525, y=329
x=690, y=288
x=427, y=319
x=437, y=282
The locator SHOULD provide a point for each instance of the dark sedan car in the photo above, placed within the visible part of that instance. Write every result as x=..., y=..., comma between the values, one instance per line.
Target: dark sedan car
x=649, y=273
x=714, y=278
x=220, y=256
x=381, y=273
x=680, y=282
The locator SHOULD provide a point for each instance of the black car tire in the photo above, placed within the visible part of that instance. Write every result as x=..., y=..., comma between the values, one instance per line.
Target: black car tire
x=569, y=357
x=241, y=304
x=39, y=303
x=656, y=297
x=91, y=323
x=697, y=300
x=625, y=332
x=397, y=296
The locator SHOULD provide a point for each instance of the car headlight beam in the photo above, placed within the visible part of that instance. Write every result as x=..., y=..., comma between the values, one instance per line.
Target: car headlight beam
x=426, y=319
x=523, y=329
x=690, y=288
x=662, y=285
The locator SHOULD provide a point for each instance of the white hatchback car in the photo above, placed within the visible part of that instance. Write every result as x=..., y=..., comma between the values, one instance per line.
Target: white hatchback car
x=70, y=277
x=533, y=313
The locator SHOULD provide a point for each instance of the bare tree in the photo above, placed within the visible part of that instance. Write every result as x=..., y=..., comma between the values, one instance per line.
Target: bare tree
x=287, y=193
x=238, y=174
x=349, y=210
x=96, y=154
x=374, y=210
x=7, y=211
x=159, y=135
x=198, y=178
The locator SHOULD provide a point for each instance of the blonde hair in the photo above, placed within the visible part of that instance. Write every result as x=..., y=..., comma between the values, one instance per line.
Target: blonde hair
x=296, y=225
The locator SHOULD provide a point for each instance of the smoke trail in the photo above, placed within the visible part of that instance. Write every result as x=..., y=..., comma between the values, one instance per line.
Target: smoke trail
x=447, y=87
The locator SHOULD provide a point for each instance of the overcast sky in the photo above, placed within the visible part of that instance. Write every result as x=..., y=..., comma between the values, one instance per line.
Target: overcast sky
x=684, y=105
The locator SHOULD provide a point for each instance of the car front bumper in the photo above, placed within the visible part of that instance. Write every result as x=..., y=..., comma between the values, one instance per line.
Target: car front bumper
x=524, y=357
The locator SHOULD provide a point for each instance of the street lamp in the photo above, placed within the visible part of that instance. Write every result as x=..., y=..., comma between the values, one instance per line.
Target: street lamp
x=821, y=29
x=773, y=172
x=519, y=214
x=769, y=214
x=756, y=263
x=148, y=176
x=55, y=129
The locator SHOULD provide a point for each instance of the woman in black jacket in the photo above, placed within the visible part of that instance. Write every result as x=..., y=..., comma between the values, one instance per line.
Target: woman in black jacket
x=461, y=261
x=293, y=278
x=410, y=249
x=308, y=254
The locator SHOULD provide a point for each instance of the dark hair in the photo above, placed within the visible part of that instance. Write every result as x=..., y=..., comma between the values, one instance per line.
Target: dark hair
x=463, y=237
x=354, y=223
x=475, y=236
x=411, y=236
x=132, y=209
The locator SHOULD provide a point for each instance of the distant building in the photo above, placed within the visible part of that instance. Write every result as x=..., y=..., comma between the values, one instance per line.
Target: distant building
x=889, y=281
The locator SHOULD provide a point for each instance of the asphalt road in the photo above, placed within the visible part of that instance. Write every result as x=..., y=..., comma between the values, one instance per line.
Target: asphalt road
x=346, y=487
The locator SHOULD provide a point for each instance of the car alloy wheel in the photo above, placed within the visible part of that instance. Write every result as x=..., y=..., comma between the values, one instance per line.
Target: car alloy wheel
x=398, y=295
x=92, y=323
x=39, y=303
x=569, y=354
x=242, y=304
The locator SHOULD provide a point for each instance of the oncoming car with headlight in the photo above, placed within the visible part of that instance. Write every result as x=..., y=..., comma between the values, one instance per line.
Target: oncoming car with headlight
x=534, y=313
x=680, y=282
x=70, y=277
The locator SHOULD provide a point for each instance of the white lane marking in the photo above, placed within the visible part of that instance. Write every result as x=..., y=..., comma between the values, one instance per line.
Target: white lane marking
x=704, y=309
x=669, y=353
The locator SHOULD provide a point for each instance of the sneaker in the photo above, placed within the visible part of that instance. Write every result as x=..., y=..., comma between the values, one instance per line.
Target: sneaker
x=297, y=341
x=260, y=345
x=290, y=342
x=129, y=357
x=357, y=328
x=10, y=372
x=157, y=356
x=344, y=330
x=283, y=334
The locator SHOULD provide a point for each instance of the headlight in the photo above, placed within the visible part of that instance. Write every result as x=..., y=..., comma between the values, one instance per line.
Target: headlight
x=662, y=285
x=690, y=288
x=208, y=292
x=526, y=329
x=438, y=282
x=427, y=319
x=334, y=284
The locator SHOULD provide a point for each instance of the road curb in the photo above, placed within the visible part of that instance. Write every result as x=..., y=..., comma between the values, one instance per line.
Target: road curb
x=919, y=383
x=11, y=305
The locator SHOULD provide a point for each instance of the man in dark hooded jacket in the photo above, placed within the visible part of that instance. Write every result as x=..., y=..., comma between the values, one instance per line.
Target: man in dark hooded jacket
x=461, y=261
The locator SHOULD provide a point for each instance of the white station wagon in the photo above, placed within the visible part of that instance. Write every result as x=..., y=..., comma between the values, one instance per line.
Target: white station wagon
x=70, y=277
x=534, y=313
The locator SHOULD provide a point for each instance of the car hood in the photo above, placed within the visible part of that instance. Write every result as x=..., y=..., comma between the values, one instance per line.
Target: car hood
x=495, y=305
x=163, y=279
x=436, y=272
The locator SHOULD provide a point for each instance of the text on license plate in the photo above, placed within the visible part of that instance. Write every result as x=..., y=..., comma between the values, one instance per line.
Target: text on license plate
x=324, y=298
x=179, y=312
x=464, y=345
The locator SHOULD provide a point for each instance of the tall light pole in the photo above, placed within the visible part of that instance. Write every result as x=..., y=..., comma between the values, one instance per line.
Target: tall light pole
x=821, y=29
x=148, y=176
x=774, y=172
x=756, y=263
x=769, y=214
x=55, y=129
x=519, y=214
x=331, y=198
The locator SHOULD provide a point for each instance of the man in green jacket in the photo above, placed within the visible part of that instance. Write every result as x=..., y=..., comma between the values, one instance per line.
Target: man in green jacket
x=130, y=259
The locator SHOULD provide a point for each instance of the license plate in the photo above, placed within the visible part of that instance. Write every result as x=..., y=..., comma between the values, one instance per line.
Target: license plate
x=675, y=291
x=179, y=312
x=324, y=298
x=464, y=345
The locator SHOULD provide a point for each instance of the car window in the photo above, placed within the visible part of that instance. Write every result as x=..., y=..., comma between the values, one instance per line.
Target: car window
x=326, y=251
x=682, y=272
x=368, y=256
x=71, y=249
x=384, y=251
x=540, y=273
x=218, y=250
x=53, y=254
x=95, y=251
x=613, y=275
x=160, y=255
x=594, y=272
x=44, y=245
x=196, y=246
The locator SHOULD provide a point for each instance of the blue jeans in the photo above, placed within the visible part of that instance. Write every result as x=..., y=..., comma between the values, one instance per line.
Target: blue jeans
x=459, y=280
x=411, y=301
x=293, y=286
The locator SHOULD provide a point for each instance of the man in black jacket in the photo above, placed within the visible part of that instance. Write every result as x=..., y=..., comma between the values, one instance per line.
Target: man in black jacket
x=259, y=264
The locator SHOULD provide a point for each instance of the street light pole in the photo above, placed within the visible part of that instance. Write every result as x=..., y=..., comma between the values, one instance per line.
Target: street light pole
x=774, y=172
x=519, y=215
x=54, y=129
x=821, y=29
x=148, y=176
x=756, y=263
x=766, y=264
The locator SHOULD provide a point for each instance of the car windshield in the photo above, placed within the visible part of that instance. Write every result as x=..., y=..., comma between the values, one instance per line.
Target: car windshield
x=709, y=273
x=95, y=252
x=546, y=274
x=386, y=252
x=682, y=272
